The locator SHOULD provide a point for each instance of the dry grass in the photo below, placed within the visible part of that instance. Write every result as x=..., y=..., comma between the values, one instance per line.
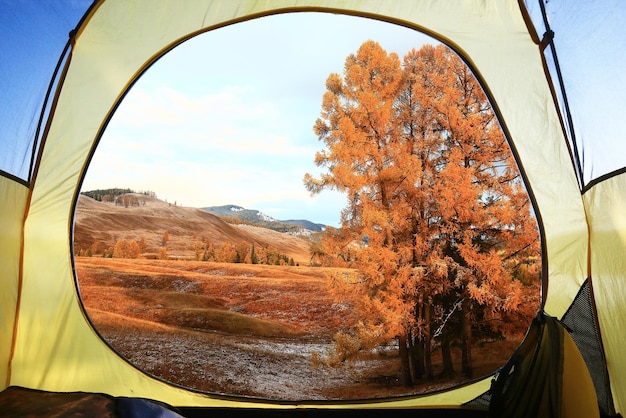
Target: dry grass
x=239, y=329
x=234, y=298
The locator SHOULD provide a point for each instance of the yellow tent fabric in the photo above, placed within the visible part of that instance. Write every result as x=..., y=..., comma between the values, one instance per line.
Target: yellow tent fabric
x=52, y=346
x=606, y=205
x=545, y=377
x=13, y=203
x=579, y=396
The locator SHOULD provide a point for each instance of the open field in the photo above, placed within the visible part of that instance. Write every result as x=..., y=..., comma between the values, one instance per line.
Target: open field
x=240, y=329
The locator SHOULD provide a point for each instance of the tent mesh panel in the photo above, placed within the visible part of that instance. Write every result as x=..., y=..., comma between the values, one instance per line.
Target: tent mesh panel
x=580, y=319
x=480, y=402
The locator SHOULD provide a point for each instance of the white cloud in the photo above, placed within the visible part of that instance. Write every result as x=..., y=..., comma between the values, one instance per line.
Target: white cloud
x=231, y=119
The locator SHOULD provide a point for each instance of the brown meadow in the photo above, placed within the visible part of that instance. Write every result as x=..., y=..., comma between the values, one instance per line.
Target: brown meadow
x=244, y=330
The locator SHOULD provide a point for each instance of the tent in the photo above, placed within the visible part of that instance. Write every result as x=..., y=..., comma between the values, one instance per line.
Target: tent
x=552, y=71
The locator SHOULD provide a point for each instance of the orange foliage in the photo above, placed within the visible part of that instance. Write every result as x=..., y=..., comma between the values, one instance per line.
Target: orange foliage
x=437, y=222
x=126, y=249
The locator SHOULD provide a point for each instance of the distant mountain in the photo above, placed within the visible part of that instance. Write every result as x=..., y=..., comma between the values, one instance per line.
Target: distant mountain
x=234, y=211
x=258, y=218
x=307, y=224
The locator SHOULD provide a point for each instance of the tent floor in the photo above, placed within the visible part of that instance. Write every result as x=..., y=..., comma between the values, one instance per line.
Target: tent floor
x=336, y=413
x=21, y=402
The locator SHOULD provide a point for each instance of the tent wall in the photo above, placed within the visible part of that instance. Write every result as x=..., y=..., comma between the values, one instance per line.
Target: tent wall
x=606, y=206
x=13, y=197
x=56, y=349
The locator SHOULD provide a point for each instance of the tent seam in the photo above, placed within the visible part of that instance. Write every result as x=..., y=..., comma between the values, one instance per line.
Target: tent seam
x=20, y=283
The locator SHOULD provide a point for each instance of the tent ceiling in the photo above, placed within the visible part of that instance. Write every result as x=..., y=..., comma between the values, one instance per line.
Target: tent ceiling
x=589, y=60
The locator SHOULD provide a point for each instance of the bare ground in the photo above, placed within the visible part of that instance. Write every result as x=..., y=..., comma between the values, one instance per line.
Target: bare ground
x=243, y=366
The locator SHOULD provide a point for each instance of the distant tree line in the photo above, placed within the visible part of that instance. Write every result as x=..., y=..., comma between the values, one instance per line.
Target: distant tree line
x=113, y=195
x=242, y=252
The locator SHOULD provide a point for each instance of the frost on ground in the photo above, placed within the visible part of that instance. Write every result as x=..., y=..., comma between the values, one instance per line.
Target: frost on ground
x=244, y=366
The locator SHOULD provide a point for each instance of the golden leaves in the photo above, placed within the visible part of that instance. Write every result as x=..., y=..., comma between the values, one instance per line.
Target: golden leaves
x=435, y=210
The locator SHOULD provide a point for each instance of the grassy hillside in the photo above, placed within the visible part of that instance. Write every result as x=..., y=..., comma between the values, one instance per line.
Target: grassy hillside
x=149, y=218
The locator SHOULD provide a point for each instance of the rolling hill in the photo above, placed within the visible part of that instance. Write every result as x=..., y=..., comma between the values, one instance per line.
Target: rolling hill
x=137, y=216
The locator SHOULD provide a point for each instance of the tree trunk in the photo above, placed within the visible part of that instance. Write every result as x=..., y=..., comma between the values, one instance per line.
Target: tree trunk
x=428, y=362
x=448, y=366
x=405, y=376
x=466, y=340
x=416, y=355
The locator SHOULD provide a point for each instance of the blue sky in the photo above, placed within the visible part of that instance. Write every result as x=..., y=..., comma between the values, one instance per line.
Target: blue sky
x=227, y=117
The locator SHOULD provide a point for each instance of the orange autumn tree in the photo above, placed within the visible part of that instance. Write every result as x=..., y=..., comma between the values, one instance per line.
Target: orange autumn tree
x=437, y=220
